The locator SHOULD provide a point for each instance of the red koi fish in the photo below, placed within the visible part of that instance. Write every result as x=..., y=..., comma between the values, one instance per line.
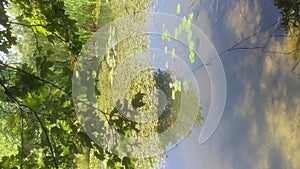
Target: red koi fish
x=162, y=44
x=73, y=60
x=172, y=121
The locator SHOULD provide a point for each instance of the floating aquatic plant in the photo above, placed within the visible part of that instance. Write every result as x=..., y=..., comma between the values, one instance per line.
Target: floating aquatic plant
x=178, y=9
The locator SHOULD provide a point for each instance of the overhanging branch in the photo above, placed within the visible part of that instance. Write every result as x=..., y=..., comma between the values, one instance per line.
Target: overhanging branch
x=46, y=133
x=20, y=107
x=294, y=67
x=17, y=104
x=35, y=77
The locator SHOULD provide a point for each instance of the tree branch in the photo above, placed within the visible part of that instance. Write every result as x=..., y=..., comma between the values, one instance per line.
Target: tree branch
x=36, y=77
x=26, y=25
x=275, y=29
x=17, y=104
x=247, y=38
x=36, y=41
x=294, y=67
x=38, y=25
x=46, y=133
x=54, y=85
x=22, y=138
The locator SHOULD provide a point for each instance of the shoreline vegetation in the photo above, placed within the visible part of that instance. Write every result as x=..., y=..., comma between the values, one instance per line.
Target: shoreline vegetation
x=37, y=83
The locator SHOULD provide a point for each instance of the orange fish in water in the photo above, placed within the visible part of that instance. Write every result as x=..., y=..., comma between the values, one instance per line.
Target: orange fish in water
x=191, y=15
x=162, y=44
x=73, y=59
x=172, y=121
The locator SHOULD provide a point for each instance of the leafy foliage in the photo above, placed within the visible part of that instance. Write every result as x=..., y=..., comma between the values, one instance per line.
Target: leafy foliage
x=38, y=121
x=6, y=38
x=290, y=10
x=40, y=87
x=40, y=17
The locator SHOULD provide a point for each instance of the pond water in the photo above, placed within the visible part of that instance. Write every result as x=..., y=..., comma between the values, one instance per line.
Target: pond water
x=260, y=126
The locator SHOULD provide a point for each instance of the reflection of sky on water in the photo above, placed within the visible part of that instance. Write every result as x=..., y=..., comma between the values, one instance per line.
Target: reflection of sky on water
x=181, y=47
x=259, y=128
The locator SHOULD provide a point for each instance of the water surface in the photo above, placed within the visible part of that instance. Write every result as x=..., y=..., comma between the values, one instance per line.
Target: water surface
x=260, y=127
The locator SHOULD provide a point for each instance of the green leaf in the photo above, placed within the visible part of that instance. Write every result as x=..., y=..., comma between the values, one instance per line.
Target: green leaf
x=192, y=57
x=178, y=9
x=166, y=49
x=173, y=53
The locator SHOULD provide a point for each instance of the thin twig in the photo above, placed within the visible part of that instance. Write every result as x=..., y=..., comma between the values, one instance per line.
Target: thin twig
x=9, y=95
x=22, y=138
x=53, y=85
x=248, y=48
x=39, y=25
x=36, y=41
x=294, y=67
x=26, y=25
x=266, y=51
x=35, y=77
x=46, y=133
x=286, y=36
x=275, y=29
x=17, y=104
x=249, y=37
